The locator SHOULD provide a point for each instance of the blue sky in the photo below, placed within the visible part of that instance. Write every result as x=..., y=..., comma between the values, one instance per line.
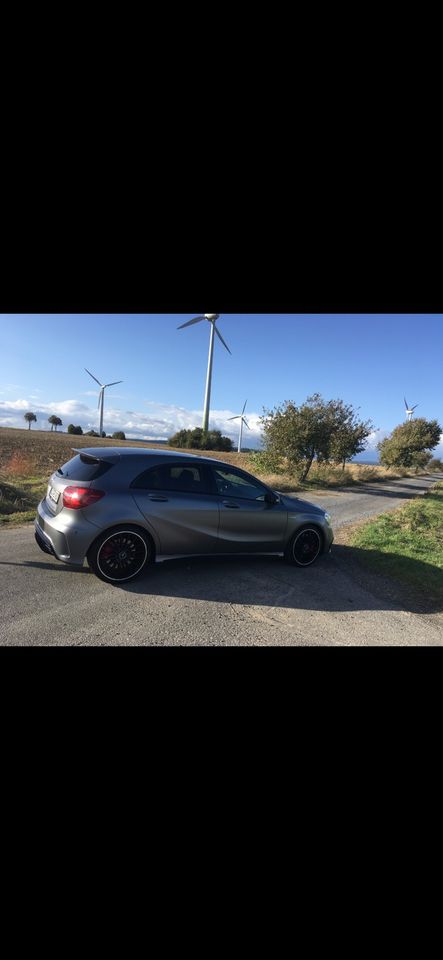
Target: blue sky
x=370, y=361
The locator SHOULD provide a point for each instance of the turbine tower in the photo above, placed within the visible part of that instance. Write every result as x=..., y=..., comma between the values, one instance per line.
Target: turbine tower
x=211, y=318
x=409, y=410
x=101, y=396
x=242, y=421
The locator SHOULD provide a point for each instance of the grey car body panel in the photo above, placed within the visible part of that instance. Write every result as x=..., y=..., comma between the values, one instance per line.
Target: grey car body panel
x=252, y=525
x=295, y=506
x=180, y=523
x=185, y=522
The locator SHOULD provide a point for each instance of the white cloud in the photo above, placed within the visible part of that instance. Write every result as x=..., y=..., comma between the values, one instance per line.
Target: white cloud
x=159, y=422
x=95, y=393
x=376, y=437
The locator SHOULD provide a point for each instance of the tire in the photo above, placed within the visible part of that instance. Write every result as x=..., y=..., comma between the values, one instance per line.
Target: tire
x=305, y=546
x=121, y=554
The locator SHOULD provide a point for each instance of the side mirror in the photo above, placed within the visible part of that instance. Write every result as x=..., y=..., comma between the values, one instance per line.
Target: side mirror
x=271, y=498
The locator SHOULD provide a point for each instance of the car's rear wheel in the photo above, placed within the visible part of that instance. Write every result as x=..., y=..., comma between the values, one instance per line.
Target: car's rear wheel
x=120, y=555
x=305, y=546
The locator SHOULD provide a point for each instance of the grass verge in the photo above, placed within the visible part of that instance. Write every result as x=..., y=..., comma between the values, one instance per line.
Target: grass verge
x=406, y=545
x=18, y=500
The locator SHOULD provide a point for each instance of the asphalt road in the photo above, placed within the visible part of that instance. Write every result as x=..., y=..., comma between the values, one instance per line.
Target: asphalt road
x=351, y=504
x=221, y=602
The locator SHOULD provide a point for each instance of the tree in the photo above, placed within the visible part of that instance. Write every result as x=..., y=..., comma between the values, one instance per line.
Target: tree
x=91, y=433
x=319, y=429
x=350, y=437
x=77, y=430
x=118, y=435
x=198, y=440
x=213, y=440
x=435, y=464
x=410, y=444
x=55, y=422
x=30, y=417
x=179, y=439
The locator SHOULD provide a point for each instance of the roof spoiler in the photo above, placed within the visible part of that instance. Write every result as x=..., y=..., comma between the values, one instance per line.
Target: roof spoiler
x=94, y=458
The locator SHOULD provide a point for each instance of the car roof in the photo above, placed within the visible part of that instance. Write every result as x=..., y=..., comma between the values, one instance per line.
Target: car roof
x=101, y=453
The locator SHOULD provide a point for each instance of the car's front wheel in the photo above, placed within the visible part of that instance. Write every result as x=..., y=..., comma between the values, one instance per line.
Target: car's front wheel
x=304, y=547
x=120, y=555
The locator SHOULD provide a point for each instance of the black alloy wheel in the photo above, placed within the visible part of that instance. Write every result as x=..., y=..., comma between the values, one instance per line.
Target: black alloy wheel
x=305, y=546
x=120, y=555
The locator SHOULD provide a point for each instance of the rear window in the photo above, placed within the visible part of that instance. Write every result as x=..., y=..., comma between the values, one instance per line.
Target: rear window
x=82, y=467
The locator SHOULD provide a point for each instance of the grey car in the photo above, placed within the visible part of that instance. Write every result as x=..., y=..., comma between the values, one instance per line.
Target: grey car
x=123, y=508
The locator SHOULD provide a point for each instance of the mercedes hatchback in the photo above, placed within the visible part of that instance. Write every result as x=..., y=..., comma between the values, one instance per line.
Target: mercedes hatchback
x=123, y=508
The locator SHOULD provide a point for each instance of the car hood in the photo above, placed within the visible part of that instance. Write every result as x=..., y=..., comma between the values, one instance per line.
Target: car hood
x=298, y=505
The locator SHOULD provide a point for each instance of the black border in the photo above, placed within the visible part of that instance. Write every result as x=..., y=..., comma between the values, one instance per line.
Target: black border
x=238, y=258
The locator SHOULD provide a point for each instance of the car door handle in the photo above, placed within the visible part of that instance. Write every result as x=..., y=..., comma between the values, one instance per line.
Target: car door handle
x=161, y=499
x=232, y=506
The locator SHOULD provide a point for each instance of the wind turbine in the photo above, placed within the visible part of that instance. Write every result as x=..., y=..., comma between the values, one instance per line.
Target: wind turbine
x=409, y=410
x=101, y=395
x=211, y=318
x=242, y=421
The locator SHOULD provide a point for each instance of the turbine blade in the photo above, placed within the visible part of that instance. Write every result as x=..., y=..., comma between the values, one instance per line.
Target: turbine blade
x=246, y=423
x=114, y=383
x=416, y=405
x=221, y=338
x=244, y=408
x=190, y=322
x=406, y=403
x=234, y=418
x=94, y=378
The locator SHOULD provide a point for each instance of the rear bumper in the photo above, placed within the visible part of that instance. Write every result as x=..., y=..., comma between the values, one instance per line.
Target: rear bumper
x=64, y=544
x=42, y=541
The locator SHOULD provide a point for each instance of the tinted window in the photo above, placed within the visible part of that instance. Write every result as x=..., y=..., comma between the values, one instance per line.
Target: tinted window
x=229, y=483
x=82, y=467
x=170, y=477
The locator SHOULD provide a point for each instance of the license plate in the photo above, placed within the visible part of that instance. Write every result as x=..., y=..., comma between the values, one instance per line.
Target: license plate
x=54, y=495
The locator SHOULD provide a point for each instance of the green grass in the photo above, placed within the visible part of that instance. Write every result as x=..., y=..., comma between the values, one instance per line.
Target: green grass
x=407, y=545
x=19, y=499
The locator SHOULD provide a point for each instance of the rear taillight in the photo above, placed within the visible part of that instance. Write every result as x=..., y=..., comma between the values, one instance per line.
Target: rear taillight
x=75, y=498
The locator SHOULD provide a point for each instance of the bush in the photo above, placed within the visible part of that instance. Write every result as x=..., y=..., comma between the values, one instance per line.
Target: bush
x=435, y=465
x=366, y=473
x=198, y=440
x=77, y=430
x=330, y=475
x=410, y=444
x=263, y=461
x=118, y=435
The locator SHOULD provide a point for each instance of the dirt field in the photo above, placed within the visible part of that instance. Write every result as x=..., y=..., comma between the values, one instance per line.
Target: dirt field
x=43, y=451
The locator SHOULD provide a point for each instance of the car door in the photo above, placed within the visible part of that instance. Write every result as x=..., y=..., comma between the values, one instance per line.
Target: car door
x=179, y=504
x=248, y=524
